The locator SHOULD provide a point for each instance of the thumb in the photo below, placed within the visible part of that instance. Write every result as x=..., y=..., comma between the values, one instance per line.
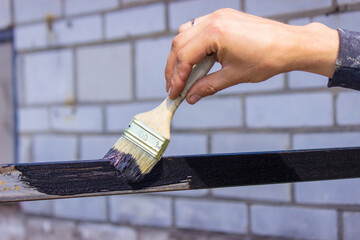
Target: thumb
x=207, y=86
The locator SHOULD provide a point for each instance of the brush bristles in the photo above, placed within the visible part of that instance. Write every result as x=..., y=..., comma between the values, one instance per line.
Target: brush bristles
x=131, y=160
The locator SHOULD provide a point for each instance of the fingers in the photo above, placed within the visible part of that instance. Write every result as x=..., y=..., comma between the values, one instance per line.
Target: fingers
x=189, y=25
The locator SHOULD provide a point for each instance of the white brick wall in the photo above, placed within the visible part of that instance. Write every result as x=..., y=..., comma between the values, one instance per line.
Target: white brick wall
x=277, y=7
x=289, y=110
x=30, y=36
x=181, y=12
x=5, y=18
x=348, y=112
x=347, y=20
x=211, y=215
x=24, y=149
x=50, y=84
x=31, y=10
x=294, y=222
x=347, y=1
x=76, y=119
x=33, y=119
x=187, y=144
x=78, y=30
x=209, y=113
x=150, y=78
x=85, y=6
x=142, y=210
x=299, y=80
x=37, y=207
x=95, y=147
x=104, y=73
x=95, y=231
x=135, y=21
x=326, y=140
x=351, y=225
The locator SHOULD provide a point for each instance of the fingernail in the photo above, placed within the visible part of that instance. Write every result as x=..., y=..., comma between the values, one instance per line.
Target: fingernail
x=194, y=98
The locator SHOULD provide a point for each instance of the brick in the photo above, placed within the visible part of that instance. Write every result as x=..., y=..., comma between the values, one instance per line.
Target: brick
x=33, y=119
x=248, y=142
x=299, y=21
x=308, y=223
x=95, y=147
x=76, y=119
x=187, y=144
x=185, y=193
x=85, y=6
x=119, y=116
x=149, y=19
x=90, y=231
x=24, y=148
x=274, y=192
x=299, y=80
x=37, y=207
x=289, y=110
x=31, y=36
x=151, y=55
x=50, y=84
x=31, y=10
x=181, y=12
x=185, y=235
x=46, y=229
x=78, y=30
x=328, y=192
x=347, y=1
x=11, y=224
x=346, y=20
x=47, y=148
x=351, y=225
x=278, y=7
x=141, y=210
x=150, y=234
x=209, y=113
x=211, y=215
x=93, y=208
x=346, y=103
x=5, y=18
x=274, y=83
x=104, y=73
x=326, y=140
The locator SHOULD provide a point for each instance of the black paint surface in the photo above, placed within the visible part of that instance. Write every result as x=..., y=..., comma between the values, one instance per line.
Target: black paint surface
x=202, y=171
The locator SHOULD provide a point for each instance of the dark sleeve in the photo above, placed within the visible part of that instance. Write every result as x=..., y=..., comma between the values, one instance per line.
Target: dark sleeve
x=347, y=67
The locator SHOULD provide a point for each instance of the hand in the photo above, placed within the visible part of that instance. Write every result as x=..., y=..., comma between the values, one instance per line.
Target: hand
x=249, y=48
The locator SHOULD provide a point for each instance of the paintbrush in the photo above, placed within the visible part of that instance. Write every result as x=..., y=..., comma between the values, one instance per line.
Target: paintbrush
x=145, y=139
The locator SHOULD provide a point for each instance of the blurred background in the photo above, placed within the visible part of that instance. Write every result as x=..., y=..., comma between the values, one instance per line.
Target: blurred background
x=74, y=73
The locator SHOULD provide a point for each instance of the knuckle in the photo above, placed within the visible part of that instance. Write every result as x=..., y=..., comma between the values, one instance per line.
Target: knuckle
x=180, y=56
x=209, y=89
x=168, y=73
x=176, y=42
x=182, y=28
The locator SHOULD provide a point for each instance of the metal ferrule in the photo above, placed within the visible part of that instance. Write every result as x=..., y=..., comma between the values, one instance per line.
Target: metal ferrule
x=146, y=138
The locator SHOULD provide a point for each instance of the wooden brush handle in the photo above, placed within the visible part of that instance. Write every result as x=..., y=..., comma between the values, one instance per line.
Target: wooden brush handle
x=199, y=70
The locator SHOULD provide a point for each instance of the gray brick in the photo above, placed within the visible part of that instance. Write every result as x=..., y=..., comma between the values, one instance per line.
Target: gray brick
x=150, y=78
x=5, y=18
x=47, y=148
x=30, y=10
x=50, y=84
x=31, y=36
x=93, y=208
x=299, y=21
x=37, y=207
x=211, y=215
x=141, y=210
x=326, y=140
x=209, y=113
x=347, y=1
x=90, y=231
x=24, y=148
x=76, y=119
x=149, y=19
x=351, y=225
x=104, y=73
x=289, y=110
x=11, y=224
x=78, y=30
x=95, y=147
x=274, y=83
x=328, y=192
x=346, y=20
x=278, y=7
x=187, y=144
x=274, y=192
x=299, y=80
x=50, y=229
x=185, y=193
x=85, y=6
x=308, y=223
x=182, y=11
x=33, y=119
x=154, y=234
x=248, y=142
x=119, y=116
x=345, y=105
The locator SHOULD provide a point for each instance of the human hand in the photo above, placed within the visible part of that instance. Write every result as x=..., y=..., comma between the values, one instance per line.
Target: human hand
x=250, y=49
